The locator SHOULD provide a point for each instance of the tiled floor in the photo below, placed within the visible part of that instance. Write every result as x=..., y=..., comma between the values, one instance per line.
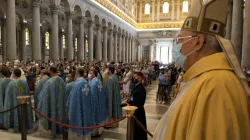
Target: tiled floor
x=154, y=112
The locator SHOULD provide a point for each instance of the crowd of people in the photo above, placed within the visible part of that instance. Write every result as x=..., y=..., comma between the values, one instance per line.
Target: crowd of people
x=75, y=93
x=169, y=81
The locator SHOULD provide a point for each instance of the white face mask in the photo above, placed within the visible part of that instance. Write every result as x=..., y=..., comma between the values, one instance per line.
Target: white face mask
x=179, y=58
x=89, y=76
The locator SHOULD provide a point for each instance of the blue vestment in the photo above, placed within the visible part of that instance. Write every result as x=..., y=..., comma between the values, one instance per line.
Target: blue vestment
x=38, y=89
x=3, y=86
x=112, y=90
x=11, y=119
x=79, y=104
x=52, y=103
x=69, y=88
x=98, y=100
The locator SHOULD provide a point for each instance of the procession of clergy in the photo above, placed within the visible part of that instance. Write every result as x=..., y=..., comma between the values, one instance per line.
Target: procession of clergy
x=79, y=101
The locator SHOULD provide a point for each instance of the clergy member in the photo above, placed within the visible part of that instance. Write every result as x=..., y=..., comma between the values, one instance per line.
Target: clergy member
x=98, y=101
x=44, y=77
x=70, y=82
x=105, y=74
x=52, y=103
x=79, y=107
x=112, y=90
x=212, y=103
x=4, y=81
x=15, y=88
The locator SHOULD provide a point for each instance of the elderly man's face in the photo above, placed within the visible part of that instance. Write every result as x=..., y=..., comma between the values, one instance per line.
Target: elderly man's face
x=189, y=41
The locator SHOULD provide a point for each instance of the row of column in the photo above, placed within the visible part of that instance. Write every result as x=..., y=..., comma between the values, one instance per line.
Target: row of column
x=123, y=52
x=238, y=27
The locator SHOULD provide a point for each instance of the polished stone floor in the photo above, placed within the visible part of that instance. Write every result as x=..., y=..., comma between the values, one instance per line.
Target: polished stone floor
x=154, y=112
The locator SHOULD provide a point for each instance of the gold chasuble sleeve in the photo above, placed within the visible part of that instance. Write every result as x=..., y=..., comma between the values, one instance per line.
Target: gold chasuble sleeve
x=214, y=107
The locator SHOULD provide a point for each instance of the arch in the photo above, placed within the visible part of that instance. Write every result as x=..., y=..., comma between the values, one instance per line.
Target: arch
x=88, y=14
x=78, y=11
x=165, y=8
x=185, y=6
x=104, y=23
x=110, y=25
x=147, y=9
x=97, y=20
x=20, y=15
x=65, y=5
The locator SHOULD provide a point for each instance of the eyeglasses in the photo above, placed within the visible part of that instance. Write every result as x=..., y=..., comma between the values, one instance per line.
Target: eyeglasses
x=180, y=39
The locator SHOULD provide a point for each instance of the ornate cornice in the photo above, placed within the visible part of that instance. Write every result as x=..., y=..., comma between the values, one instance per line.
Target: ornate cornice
x=114, y=9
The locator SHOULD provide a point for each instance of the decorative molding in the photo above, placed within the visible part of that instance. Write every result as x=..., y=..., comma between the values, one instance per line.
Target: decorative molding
x=114, y=9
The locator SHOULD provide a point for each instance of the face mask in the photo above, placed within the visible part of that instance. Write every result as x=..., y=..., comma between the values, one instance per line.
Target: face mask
x=89, y=76
x=179, y=58
x=67, y=79
x=136, y=81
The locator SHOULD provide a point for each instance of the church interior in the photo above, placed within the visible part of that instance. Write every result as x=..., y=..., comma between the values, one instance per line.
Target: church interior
x=107, y=30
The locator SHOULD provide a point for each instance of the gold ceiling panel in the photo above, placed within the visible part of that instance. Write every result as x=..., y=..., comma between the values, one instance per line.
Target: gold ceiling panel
x=114, y=9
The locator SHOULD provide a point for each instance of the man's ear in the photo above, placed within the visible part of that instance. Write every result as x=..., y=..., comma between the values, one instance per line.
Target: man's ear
x=200, y=42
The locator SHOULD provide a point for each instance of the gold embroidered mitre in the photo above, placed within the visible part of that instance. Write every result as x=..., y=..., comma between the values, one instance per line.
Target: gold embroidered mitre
x=207, y=16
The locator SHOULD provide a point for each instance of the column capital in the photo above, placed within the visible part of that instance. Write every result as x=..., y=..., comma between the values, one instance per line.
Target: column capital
x=69, y=14
x=91, y=23
x=98, y=27
x=36, y=3
x=54, y=9
x=81, y=19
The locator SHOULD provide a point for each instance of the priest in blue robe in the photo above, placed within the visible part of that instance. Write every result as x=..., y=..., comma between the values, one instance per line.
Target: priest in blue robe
x=98, y=101
x=43, y=78
x=4, y=81
x=15, y=88
x=70, y=82
x=112, y=90
x=79, y=107
x=52, y=103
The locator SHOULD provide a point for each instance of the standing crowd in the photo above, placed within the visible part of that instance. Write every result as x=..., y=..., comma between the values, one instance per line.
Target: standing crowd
x=76, y=93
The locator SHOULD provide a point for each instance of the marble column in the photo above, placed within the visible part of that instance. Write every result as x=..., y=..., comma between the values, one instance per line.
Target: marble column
x=11, y=50
x=70, y=49
x=172, y=9
x=115, y=47
x=61, y=45
x=54, y=48
x=3, y=33
x=36, y=42
x=81, y=48
x=120, y=47
x=127, y=49
x=90, y=41
x=110, y=48
x=237, y=27
x=229, y=21
x=98, y=53
x=246, y=36
x=105, y=43
x=178, y=10
x=23, y=42
x=124, y=48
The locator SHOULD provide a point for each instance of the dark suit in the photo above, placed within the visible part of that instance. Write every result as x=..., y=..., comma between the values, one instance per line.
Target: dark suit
x=138, y=97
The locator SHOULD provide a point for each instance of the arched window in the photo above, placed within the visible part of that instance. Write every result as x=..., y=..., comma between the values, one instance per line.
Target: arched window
x=147, y=9
x=165, y=7
x=27, y=36
x=47, y=40
x=185, y=6
x=63, y=43
x=87, y=46
x=76, y=45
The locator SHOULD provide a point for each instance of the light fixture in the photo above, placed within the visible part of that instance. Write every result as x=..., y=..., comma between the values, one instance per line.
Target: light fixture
x=24, y=21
